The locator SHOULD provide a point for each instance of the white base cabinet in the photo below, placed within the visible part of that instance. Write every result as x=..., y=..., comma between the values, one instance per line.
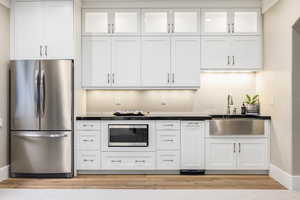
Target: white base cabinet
x=241, y=154
x=192, y=145
x=173, y=145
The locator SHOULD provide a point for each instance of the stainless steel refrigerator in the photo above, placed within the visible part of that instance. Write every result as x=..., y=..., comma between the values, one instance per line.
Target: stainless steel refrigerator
x=41, y=118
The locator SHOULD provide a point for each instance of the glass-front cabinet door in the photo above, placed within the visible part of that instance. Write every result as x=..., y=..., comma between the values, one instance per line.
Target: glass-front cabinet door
x=186, y=22
x=246, y=22
x=156, y=22
x=96, y=22
x=126, y=22
x=215, y=22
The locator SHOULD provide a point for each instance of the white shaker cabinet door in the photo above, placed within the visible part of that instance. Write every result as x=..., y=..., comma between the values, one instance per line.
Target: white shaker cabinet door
x=246, y=22
x=58, y=30
x=126, y=22
x=186, y=22
x=246, y=52
x=28, y=30
x=220, y=154
x=126, y=63
x=155, y=22
x=253, y=154
x=186, y=61
x=96, y=62
x=215, y=22
x=156, y=56
x=192, y=145
x=96, y=22
x=216, y=53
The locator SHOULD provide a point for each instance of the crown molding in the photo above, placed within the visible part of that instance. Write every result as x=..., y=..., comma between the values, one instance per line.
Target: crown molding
x=267, y=4
x=5, y=3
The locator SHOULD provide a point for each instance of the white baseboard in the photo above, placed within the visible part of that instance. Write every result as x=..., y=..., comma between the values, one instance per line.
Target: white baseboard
x=284, y=178
x=4, y=171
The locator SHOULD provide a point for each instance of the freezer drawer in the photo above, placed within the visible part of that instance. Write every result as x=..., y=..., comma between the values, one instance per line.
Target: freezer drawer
x=41, y=152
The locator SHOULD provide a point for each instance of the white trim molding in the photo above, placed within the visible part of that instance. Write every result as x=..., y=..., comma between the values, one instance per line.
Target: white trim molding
x=4, y=171
x=5, y=3
x=284, y=178
x=267, y=4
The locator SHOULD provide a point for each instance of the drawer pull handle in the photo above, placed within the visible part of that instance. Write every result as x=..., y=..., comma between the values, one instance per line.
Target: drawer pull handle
x=116, y=161
x=85, y=125
x=91, y=140
x=168, y=160
x=88, y=160
x=169, y=125
x=140, y=161
x=168, y=140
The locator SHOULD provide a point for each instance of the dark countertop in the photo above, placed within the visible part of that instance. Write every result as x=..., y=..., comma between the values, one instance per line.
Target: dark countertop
x=170, y=117
x=263, y=117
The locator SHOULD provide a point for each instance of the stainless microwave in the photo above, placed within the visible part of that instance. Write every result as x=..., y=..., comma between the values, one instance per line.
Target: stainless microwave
x=128, y=135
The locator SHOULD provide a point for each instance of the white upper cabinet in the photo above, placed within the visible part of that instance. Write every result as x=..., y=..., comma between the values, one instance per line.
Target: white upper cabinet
x=95, y=22
x=42, y=30
x=96, y=62
x=186, y=22
x=156, y=61
x=185, y=62
x=111, y=22
x=246, y=22
x=171, y=21
x=215, y=22
x=156, y=21
x=126, y=63
x=58, y=28
x=246, y=52
x=28, y=36
x=233, y=53
x=126, y=22
x=215, y=52
x=231, y=21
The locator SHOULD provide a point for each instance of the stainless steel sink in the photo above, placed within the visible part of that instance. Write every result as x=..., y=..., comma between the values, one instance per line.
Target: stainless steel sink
x=236, y=126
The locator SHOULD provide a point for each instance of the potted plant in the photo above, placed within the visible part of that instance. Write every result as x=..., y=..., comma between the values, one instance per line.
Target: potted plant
x=252, y=104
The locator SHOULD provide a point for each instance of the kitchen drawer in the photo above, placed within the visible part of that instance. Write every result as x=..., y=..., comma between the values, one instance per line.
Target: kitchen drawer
x=88, y=160
x=89, y=140
x=168, y=139
x=88, y=125
x=192, y=124
x=168, y=160
x=167, y=125
x=128, y=160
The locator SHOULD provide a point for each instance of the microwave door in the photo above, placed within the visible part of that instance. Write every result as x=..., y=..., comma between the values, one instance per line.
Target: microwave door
x=56, y=94
x=24, y=97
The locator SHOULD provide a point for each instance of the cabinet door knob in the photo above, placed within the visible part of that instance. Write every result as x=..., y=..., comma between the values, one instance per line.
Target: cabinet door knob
x=232, y=28
x=233, y=147
x=239, y=147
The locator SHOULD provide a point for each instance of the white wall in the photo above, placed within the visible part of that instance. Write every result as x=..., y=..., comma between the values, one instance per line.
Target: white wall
x=210, y=98
x=275, y=82
x=4, y=58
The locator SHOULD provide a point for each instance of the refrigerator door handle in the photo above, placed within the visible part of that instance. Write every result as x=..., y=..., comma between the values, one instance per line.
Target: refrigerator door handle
x=36, y=90
x=42, y=93
x=40, y=135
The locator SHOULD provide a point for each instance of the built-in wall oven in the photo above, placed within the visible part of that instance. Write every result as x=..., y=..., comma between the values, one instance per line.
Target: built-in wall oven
x=127, y=135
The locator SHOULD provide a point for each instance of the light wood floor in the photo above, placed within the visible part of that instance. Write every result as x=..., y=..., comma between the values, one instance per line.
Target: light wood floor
x=147, y=182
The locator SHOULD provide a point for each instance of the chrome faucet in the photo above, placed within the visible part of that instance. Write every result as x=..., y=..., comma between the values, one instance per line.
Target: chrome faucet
x=229, y=103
